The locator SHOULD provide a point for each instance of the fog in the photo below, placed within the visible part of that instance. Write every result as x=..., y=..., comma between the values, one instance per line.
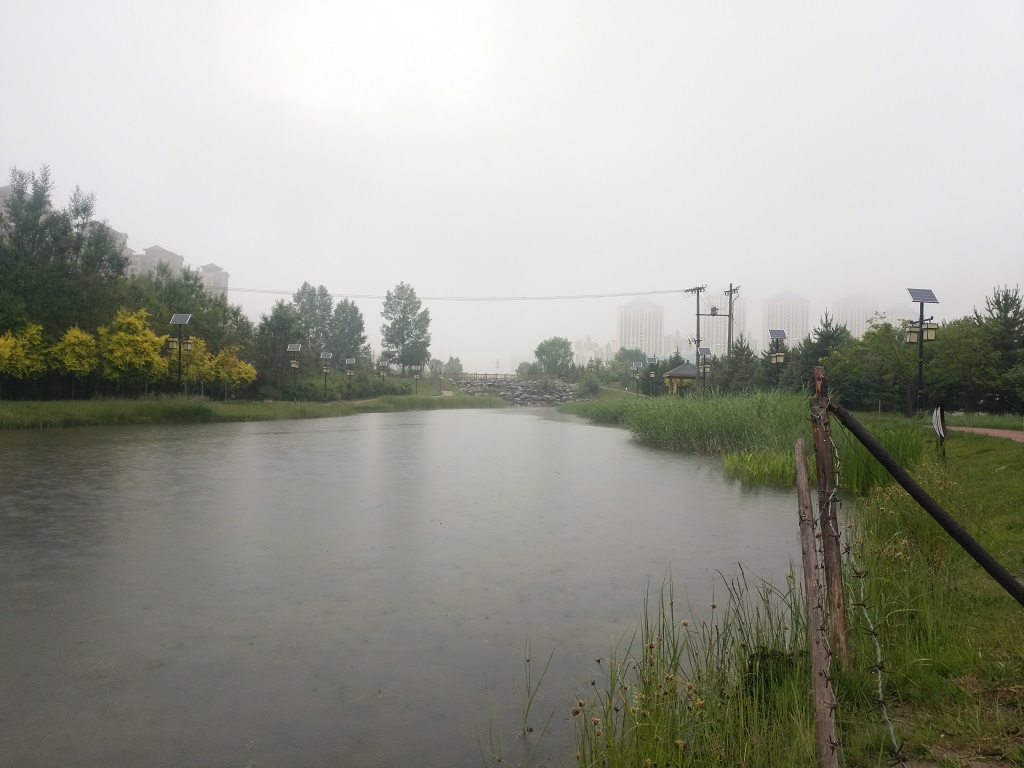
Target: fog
x=484, y=151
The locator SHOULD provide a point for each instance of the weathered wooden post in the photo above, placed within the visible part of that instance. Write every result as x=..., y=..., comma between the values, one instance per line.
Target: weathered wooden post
x=828, y=523
x=824, y=709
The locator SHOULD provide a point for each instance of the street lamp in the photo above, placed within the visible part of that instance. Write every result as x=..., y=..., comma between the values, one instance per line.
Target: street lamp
x=349, y=362
x=635, y=368
x=326, y=357
x=776, y=358
x=179, y=320
x=416, y=379
x=294, y=350
x=652, y=362
x=703, y=368
x=921, y=334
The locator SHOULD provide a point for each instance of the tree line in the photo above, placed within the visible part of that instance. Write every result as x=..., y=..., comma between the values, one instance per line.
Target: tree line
x=73, y=321
x=974, y=363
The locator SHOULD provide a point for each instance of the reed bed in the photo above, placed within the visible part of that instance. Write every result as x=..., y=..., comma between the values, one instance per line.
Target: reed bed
x=727, y=690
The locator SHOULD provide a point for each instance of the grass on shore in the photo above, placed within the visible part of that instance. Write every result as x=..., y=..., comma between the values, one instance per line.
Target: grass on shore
x=198, y=410
x=951, y=640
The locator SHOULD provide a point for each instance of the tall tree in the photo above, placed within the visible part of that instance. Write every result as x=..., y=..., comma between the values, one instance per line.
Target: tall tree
x=1003, y=326
x=58, y=268
x=314, y=308
x=737, y=371
x=879, y=371
x=273, y=335
x=554, y=356
x=346, y=335
x=405, y=336
x=961, y=365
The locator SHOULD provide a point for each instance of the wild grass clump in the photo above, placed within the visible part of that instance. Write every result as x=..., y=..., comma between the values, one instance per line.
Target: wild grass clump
x=859, y=471
x=764, y=468
x=728, y=690
x=604, y=410
x=432, y=402
x=718, y=424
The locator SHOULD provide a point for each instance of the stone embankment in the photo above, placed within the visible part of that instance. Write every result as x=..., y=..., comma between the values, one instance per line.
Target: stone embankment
x=524, y=393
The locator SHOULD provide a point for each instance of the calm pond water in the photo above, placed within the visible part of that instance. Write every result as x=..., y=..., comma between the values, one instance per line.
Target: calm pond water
x=347, y=592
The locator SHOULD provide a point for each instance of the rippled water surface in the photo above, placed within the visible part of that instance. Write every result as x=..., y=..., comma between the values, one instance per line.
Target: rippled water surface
x=350, y=592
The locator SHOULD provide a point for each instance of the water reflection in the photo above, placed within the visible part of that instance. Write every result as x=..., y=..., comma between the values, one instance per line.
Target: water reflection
x=351, y=591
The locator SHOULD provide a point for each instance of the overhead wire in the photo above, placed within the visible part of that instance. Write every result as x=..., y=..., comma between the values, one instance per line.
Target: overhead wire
x=558, y=297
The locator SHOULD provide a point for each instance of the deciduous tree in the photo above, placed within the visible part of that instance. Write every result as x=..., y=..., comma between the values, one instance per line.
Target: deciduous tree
x=405, y=336
x=129, y=350
x=75, y=354
x=346, y=335
x=554, y=356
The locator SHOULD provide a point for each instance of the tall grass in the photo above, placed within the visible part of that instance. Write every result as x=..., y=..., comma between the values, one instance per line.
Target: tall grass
x=198, y=410
x=729, y=690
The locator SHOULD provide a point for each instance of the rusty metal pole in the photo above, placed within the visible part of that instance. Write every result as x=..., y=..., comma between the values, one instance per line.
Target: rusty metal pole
x=827, y=516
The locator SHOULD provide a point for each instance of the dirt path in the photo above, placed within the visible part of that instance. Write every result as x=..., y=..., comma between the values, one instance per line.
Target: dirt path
x=1013, y=434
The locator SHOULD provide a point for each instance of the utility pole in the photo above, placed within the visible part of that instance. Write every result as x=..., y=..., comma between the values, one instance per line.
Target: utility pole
x=698, y=289
x=731, y=292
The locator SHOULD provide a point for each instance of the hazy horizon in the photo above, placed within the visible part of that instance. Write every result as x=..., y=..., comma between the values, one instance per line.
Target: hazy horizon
x=536, y=149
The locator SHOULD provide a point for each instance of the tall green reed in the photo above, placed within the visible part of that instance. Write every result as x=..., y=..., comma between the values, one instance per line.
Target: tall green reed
x=729, y=689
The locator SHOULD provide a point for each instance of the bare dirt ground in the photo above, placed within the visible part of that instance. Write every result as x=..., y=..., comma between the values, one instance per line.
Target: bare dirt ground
x=1013, y=434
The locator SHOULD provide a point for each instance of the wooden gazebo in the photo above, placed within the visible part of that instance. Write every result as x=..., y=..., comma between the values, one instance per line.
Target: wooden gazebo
x=680, y=374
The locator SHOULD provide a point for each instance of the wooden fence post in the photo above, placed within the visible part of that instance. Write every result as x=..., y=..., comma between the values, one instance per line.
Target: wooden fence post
x=828, y=523
x=824, y=710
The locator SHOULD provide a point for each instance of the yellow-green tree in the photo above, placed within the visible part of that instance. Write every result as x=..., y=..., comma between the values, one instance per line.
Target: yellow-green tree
x=75, y=354
x=129, y=350
x=229, y=369
x=196, y=363
x=22, y=354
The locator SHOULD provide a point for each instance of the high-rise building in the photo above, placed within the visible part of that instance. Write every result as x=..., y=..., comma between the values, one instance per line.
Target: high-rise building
x=787, y=312
x=855, y=312
x=152, y=256
x=585, y=350
x=215, y=279
x=640, y=325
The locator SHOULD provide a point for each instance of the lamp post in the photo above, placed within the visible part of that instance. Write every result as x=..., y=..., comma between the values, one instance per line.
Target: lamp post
x=635, y=368
x=294, y=349
x=924, y=332
x=652, y=362
x=179, y=320
x=777, y=339
x=416, y=378
x=326, y=358
x=349, y=362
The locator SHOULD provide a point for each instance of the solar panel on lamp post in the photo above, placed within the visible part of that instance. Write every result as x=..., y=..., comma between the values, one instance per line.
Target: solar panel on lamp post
x=921, y=296
x=416, y=378
x=179, y=320
x=295, y=349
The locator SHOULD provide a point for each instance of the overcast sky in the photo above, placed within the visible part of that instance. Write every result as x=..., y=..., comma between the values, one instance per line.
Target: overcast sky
x=499, y=149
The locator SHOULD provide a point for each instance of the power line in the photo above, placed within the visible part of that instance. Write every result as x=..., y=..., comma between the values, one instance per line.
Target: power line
x=564, y=297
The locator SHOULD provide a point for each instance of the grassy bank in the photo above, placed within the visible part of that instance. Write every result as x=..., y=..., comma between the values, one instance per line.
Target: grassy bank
x=754, y=434
x=196, y=410
x=733, y=689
